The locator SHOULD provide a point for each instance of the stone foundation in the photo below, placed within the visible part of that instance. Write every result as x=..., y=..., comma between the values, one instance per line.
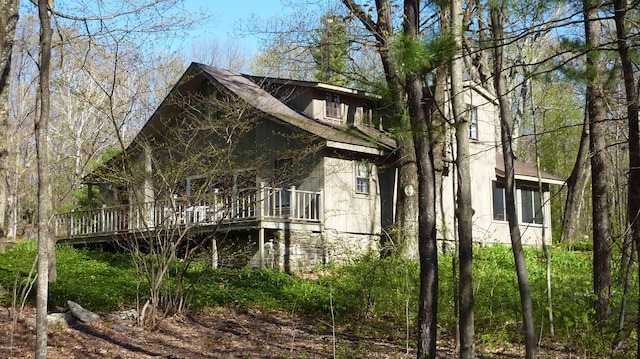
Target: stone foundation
x=299, y=251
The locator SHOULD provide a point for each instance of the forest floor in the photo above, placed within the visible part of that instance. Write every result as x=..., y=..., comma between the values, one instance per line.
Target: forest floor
x=216, y=333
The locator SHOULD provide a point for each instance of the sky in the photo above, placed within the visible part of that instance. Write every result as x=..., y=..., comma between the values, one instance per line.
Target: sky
x=228, y=13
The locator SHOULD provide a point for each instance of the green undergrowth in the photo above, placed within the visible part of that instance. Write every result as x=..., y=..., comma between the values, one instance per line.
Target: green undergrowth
x=101, y=281
x=372, y=296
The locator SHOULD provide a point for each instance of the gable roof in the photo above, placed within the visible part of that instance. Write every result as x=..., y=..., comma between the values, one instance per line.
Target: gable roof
x=526, y=172
x=340, y=136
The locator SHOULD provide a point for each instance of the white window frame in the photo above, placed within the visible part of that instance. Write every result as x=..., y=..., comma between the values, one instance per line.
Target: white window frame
x=521, y=192
x=533, y=194
x=494, y=187
x=362, y=177
x=472, y=113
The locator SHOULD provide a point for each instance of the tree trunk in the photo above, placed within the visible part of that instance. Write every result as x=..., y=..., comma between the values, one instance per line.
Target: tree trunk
x=545, y=246
x=408, y=194
x=576, y=185
x=45, y=238
x=634, y=131
x=428, y=302
x=599, y=197
x=8, y=21
x=439, y=136
x=428, y=305
x=407, y=202
x=464, y=211
x=512, y=217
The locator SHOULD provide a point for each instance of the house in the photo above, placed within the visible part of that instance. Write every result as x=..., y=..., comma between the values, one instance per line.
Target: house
x=490, y=224
x=300, y=173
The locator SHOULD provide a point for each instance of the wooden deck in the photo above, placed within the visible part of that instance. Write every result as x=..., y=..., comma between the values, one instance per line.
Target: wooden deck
x=267, y=207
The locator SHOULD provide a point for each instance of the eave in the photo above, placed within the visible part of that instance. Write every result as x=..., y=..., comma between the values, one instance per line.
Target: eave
x=526, y=172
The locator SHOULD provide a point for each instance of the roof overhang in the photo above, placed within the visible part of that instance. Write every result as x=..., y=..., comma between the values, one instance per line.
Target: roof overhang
x=355, y=148
x=535, y=179
x=526, y=172
x=317, y=85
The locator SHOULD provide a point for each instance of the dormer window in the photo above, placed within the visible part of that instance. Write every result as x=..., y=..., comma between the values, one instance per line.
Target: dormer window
x=332, y=105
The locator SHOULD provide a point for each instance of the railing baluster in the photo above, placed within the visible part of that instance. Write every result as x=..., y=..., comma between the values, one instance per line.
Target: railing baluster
x=263, y=201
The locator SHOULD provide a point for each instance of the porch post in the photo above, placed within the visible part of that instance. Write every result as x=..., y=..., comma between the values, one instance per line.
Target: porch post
x=89, y=214
x=149, y=193
x=320, y=207
x=260, y=207
x=293, y=201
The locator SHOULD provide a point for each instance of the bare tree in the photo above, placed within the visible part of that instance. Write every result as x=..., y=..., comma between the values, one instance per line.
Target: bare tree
x=594, y=98
x=45, y=210
x=291, y=45
x=464, y=211
x=21, y=111
x=382, y=30
x=416, y=198
x=621, y=8
x=46, y=242
x=227, y=54
x=117, y=76
x=188, y=171
x=8, y=23
x=576, y=185
x=506, y=128
x=427, y=248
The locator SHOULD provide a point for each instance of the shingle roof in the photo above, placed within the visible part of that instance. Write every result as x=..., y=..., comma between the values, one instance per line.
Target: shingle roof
x=262, y=100
x=526, y=171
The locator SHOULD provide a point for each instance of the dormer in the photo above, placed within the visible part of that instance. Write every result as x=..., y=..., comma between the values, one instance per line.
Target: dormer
x=324, y=102
x=342, y=105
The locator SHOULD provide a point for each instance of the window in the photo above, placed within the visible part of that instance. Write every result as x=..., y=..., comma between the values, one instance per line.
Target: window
x=362, y=177
x=332, y=104
x=531, y=210
x=209, y=107
x=531, y=206
x=472, y=112
x=499, y=207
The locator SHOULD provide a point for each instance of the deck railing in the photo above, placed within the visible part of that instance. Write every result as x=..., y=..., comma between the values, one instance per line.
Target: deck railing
x=266, y=203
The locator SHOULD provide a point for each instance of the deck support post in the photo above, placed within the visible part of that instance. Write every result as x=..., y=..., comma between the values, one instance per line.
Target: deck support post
x=261, y=246
x=214, y=252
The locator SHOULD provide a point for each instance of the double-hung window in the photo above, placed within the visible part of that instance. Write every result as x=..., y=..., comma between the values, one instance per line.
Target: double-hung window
x=531, y=206
x=363, y=174
x=332, y=105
